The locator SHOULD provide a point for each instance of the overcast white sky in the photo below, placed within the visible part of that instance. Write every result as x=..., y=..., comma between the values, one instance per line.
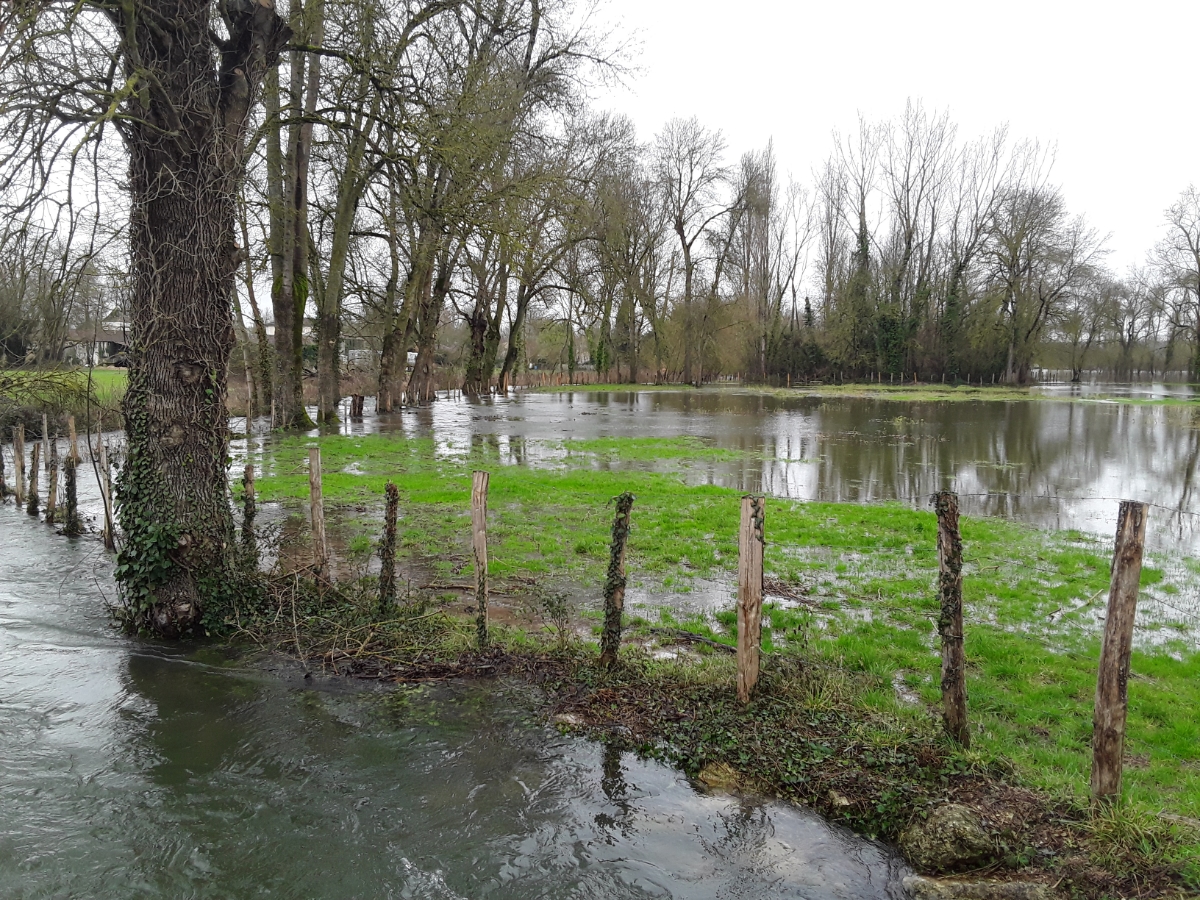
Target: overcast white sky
x=1116, y=87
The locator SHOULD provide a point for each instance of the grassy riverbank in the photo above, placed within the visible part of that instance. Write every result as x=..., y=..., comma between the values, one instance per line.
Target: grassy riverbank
x=851, y=627
x=28, y=394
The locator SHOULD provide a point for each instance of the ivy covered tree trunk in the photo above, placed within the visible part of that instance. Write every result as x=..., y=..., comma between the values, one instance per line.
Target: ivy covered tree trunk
x=184, y=138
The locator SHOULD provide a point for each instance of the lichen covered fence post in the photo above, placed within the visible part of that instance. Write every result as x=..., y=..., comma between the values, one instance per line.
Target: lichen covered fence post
x=52, y=481
x=73, y=526
x=31, y=506
x=1112, y=683
x=19, y=464
x=614, y=582
x=479, y=495
x=249, y=511
x=950, y=618
x=109, y=532
x=387, y=550
x=751, y=542
x=317, y=510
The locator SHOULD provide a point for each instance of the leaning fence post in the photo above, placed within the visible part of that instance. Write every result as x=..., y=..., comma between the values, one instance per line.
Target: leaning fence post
x=614, y=583
x=479, y=494
x=19, y=463
x=950, y=619
x=32, y=506
x=1112, y=693
x=387, y=552
x=751, y=539
x=249, y=509
x=108, y=534
x=317, y=505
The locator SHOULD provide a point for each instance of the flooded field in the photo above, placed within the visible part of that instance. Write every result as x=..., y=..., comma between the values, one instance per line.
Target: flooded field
x=1054, y=463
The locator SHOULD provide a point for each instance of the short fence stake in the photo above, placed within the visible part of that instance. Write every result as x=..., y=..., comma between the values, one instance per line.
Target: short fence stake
x=1112, y=693
x=751, y=540
x=950, y=620
x=317, y=504
x=19, y=463
x=34, y=501
x=614, y=583
x=249, y=510
x=479, y=494
x=387, y=552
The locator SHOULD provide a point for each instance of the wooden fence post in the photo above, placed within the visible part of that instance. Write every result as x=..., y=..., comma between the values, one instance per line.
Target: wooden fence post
x=479, y=495
x=751, y=541
x=1112, y=693
x=52, y=487
x=34, y=501
x=614, y=583
x=109, y=532
x=19, y=464
x=249, y=510
x=387, y=551
x=50, y=461
x=317, y=505
x=950, y=619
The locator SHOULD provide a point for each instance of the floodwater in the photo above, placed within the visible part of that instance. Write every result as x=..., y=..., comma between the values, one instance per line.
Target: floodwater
x=129, y=770
x=1054, y=463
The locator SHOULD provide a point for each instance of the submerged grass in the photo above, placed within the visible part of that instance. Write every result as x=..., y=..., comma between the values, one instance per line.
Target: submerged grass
x=853, y=590
x=901, y=392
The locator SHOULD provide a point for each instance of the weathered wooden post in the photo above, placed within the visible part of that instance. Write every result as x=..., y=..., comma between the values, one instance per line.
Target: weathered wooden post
x=614, y=583
x=249, y=510
x=52, y=487
x=3, y=483
x=1112, y=684
x=108, y=534
x=31, y=506
x=479, y=494
x=73, y=525
x=387, y=551
x=950, y=619
x=19, y=464
x=751, y=541
x=317, y=507
x=46, y=443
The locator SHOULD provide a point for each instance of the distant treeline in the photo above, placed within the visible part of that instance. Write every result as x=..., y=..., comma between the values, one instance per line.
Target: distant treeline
x=433, y=182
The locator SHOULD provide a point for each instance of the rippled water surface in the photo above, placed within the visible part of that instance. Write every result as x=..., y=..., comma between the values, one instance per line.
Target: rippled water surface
x=134, y=771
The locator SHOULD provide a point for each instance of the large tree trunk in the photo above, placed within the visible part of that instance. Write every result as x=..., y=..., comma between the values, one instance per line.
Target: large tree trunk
x=329, y=325
x=421, y=386
x=185, y=168
x=515, y=332
x=287, y=396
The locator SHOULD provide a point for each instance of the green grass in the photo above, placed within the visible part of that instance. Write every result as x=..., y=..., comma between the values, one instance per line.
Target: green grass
x=868, y=573
x=107, y=384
